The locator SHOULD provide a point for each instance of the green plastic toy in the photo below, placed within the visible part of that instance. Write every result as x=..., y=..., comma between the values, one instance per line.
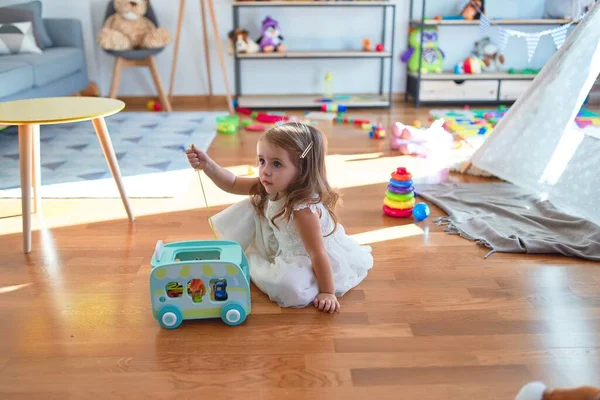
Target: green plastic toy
x=433, y=56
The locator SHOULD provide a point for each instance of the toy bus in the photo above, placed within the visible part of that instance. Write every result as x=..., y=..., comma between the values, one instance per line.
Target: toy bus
x=199, y=279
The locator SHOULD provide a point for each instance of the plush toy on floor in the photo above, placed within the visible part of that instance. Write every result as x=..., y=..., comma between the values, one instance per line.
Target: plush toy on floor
x=271, y=39
x=129, y=29
x=409, y=140
x=539, y=391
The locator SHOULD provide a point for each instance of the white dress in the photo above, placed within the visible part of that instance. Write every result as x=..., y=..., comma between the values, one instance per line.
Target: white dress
x=279, y=263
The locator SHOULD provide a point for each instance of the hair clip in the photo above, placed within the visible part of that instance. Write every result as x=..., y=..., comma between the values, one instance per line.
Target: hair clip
x=307, y=150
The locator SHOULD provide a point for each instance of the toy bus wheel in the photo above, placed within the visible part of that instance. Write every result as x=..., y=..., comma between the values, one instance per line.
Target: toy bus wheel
x=233, y=314
x=170, y=317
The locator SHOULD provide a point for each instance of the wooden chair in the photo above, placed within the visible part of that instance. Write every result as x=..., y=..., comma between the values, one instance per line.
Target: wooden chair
x=137, y=58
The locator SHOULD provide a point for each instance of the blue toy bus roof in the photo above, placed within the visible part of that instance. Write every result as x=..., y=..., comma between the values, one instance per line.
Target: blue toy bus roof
x=229, y=251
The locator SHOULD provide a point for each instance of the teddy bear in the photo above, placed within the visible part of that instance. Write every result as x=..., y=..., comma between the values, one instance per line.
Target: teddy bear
x=539, y=391
x=489, y=54
x=271, y=39
x=240, y=42
x=129, y=29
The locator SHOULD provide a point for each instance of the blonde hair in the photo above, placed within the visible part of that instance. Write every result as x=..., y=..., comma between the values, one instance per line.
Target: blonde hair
x=306, y=147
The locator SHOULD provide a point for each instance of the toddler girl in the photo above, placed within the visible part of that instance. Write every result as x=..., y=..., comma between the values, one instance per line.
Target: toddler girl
x=298, y=252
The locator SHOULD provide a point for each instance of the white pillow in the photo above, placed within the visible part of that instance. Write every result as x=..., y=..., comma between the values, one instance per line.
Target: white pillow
x=17, y=38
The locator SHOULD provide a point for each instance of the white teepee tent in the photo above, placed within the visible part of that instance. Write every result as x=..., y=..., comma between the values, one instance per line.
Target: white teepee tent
x=537, y=144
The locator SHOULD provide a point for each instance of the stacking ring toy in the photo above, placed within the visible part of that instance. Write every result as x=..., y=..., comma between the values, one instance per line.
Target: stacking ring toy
x=392, y=212
x=400, y=190
x=400, y=205
x=401, y=184
x=399, y=197
x=402, y=175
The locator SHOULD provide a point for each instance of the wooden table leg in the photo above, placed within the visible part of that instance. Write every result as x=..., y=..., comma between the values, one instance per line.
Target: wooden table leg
x=37, y=171
x=25, y=159
x=111, y=160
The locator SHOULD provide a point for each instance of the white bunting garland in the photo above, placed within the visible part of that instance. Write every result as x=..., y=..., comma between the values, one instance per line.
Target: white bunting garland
x=558, y=34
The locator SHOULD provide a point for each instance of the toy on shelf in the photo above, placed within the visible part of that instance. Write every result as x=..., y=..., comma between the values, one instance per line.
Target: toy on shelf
x=153, y=105
x=328, y=92
x=228, y=124
x=432, y=55
x=367, y=46
x=379, y=47
x=489, y=54
x=470, y=65
x=399, y=198
x=377, y=132
x=472, y=9
x=240, y=42
x=271, y=39
x=432, y=141
x=199, y=279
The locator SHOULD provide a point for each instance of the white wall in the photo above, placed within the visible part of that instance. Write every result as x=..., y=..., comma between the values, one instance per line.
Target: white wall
x=332, y=28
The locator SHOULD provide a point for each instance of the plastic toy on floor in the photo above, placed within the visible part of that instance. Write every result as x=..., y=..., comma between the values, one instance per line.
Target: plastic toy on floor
x=400, y=195
x=420, y=142
x=539, y=391
x=199, y=279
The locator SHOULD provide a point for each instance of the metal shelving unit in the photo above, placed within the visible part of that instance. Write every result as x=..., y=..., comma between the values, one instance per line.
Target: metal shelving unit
x=370, y=100
x=414, y=79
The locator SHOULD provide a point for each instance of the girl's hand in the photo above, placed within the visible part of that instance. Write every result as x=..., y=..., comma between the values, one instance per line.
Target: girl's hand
x=197, y=158
x=326, y=302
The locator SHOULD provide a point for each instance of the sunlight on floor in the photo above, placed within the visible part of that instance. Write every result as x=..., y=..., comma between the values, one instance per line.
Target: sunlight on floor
x=385, y=234
x=345, y=171
x=14, y=288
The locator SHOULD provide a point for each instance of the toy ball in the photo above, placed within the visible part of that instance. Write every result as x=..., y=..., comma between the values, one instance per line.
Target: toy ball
x=417, y=123
x=421, y=211
x=150, y=105
x=157, y=106
x=379, y=47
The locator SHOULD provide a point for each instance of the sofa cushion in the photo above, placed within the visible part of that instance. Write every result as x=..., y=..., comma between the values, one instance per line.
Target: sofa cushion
x=42, y=37
x=15, y=76
x=53, y=64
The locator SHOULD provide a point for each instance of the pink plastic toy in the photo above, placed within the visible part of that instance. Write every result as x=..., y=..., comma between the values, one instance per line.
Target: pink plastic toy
x=421, y=142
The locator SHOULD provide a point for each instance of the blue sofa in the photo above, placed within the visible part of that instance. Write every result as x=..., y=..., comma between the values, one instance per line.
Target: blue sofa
x=60, y=70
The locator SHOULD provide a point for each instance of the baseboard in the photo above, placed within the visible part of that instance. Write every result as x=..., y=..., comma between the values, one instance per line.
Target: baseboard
x=141, y=101
x=203, y=101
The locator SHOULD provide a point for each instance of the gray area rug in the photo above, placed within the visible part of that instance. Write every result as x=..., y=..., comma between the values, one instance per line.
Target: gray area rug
x=508, y=219
x=147, y=146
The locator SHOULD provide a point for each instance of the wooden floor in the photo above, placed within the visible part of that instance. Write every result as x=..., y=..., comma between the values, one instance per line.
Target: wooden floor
x=433, y=320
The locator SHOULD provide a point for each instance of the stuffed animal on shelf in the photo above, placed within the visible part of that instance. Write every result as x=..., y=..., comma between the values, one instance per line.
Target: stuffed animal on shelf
x=470, y=65
x=270, y=39
x=470, y=9
x=433, y=56
x=241, y=43
x=489, y=53
x=129, y=29
x=539, y=391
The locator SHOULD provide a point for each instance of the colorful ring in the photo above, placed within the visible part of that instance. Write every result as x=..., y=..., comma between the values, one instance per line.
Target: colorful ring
x=401, y=190
x=399, y=205
x=392, y=212
x=399, y=197
x=402, y=177
x=401, y=184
